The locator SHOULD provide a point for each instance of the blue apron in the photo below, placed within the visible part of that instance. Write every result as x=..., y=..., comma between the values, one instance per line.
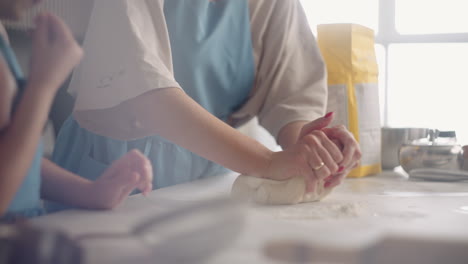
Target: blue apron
x=213, y=62
x=27, y=202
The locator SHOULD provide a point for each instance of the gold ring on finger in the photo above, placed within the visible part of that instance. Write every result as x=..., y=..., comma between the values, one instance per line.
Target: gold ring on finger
x=319, y=166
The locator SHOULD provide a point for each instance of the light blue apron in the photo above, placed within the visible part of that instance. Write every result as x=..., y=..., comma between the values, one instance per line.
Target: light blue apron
x=213, y=62
x=27, y=202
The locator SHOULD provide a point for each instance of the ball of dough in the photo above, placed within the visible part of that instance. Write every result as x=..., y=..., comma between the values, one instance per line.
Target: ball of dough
x=266, y=191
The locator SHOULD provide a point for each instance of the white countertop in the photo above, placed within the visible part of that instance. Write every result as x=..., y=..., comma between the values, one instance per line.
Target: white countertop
x=420, y=217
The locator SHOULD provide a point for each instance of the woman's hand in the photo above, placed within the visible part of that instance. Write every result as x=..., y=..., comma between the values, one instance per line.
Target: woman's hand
x=321, y=153
x=350, y=149
x=54, y=53
x=345, y=141
x=133, y=171
x=315, y=157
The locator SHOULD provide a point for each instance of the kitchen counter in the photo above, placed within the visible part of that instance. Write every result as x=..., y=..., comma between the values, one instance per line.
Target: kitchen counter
x=386, y=217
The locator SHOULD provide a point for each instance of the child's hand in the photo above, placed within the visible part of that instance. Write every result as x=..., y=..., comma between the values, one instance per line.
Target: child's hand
x=54, y=54
x=133, y=171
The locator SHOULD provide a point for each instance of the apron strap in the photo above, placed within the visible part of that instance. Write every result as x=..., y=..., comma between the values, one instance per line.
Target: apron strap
x=148, y=145
x=88, y=145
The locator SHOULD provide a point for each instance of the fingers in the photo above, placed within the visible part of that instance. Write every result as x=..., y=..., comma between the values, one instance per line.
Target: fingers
x=352, y=153
x=329, y=146
x=129, y=184
x=338, y=144
x=335, y=181
x=143, y=166
x=351, y=150
x=117, y=167
x=317, y=124
x=324, y=155
x=338, y=178
x=357, y=161
x=122, y=172
x=319, y=165
x=122, y=187
x=338, y=150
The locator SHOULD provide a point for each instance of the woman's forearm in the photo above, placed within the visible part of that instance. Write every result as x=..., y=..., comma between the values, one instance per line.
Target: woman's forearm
x=19, y=141
x=195, y=129
x=173, y=115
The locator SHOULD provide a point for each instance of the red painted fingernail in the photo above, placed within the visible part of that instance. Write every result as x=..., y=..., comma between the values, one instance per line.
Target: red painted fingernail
x=329, y=114
x=340, y=169
x=327, y=184
x=329, y=178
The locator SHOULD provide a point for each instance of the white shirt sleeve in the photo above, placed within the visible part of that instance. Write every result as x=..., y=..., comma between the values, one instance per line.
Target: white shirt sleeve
x=127, y=53
x=291, y=78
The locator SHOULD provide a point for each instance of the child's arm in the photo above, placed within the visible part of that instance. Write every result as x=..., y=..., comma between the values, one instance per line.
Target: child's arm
x=133, y=171
x=3, y=32
x=7, y=87
x=19, y=140
x=7, y=93
x=55, y=53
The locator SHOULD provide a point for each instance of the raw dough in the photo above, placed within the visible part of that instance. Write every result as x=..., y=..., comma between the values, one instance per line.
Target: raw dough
x=265, y=191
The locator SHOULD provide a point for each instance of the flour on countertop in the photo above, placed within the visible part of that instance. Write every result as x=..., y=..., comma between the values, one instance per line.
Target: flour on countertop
x=319, y=211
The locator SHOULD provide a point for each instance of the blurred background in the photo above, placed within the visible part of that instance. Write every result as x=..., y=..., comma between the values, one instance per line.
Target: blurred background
x=422, y=50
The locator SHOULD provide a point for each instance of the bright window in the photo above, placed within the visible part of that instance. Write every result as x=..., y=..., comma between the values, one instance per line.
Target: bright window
x=364, y=12
x=380, y=53
x=426, y=44
x=431, y=16
x=427, y=86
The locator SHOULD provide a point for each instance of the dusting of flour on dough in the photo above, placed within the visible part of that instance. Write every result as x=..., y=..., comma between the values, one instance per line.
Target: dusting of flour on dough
x=272, y=192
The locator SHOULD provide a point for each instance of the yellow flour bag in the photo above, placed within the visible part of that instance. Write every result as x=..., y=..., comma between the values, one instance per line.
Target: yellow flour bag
x=348, y=50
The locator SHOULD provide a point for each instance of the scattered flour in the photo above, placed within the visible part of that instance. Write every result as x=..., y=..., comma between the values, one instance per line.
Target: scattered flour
x=319, y=211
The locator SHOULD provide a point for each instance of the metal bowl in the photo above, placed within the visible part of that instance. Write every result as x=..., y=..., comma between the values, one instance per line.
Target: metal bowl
x=446, y=157
x=393, y=138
